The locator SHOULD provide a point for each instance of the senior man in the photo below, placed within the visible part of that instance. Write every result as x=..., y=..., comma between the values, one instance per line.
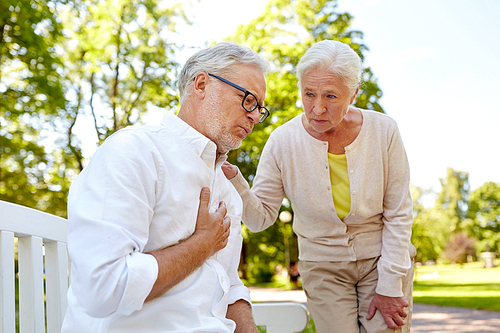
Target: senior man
x=154, y=226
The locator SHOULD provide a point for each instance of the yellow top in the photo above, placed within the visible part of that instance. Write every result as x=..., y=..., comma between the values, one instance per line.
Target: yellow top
x=340, y=184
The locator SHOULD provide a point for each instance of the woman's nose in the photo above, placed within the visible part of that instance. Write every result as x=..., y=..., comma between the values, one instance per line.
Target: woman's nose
x=319, y=106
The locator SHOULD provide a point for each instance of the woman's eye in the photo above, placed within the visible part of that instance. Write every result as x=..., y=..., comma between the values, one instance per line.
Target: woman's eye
x=332, y=96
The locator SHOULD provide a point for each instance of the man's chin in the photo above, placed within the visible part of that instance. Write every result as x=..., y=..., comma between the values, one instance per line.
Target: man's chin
x=225, y=148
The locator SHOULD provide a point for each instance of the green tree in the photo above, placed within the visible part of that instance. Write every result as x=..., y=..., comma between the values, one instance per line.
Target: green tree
x=453, y=198
x=62, y=61
x=118, y=64
x=484, y=216
x=31, y=96
x=282, y=33
x=423, y=231
x=433, y=227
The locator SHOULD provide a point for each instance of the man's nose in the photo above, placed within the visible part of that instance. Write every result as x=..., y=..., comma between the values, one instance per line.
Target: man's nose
x=254, y=116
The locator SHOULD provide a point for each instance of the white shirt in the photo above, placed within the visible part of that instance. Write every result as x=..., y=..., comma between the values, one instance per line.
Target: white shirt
x=139, y=193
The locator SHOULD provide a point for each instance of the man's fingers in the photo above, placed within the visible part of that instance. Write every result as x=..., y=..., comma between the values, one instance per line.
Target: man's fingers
x=222, y=210
x=205, y=197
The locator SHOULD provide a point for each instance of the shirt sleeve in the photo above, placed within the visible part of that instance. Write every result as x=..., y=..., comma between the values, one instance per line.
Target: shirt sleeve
x=394, y=262
x=237, y=290
x=110, y=207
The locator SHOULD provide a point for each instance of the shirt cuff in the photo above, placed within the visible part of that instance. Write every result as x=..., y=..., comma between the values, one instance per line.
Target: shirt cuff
x=390, y=282
x=142, y=274
x=237, y=293
x=239, y=182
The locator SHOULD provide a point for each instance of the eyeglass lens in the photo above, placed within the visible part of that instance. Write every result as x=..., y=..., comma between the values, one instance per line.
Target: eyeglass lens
x=250, y=103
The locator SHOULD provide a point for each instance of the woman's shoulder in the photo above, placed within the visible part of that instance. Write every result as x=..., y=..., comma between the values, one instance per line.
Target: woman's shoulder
x=378, y=119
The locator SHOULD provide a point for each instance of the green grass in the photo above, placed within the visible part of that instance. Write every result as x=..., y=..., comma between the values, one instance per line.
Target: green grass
x=468, y=286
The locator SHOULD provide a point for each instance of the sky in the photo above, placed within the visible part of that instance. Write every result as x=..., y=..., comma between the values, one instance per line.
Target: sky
x=437, y=63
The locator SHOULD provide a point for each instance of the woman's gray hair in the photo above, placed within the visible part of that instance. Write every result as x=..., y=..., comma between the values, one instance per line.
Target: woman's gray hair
x=336, y=57
x=219, y=59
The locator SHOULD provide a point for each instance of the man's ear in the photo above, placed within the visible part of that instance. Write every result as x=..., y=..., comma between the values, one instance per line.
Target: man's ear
x=200, y=85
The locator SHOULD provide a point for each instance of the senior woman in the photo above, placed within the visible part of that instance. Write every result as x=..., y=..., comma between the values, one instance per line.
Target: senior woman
x=346, y=174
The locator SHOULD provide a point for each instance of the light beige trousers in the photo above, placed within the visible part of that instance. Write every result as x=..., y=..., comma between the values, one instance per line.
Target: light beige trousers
x=339, y=295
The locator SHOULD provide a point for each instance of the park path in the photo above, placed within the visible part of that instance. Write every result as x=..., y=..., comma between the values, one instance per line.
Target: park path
x=426, y=318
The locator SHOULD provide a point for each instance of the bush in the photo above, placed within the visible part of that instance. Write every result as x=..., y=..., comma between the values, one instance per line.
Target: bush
x=459, y=247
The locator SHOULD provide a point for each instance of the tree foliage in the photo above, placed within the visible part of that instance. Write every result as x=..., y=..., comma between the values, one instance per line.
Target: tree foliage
x=282, y=34
x=484, y=216
x=425, y=232
x=63, y=62
x=435, y=227
x=31, y=95
x=118, y=64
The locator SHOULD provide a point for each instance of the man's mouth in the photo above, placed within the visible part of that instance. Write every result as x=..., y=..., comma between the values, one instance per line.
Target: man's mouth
x=247, y=130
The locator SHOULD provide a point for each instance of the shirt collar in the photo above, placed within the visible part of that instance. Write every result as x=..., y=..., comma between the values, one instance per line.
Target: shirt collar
x=205, y=148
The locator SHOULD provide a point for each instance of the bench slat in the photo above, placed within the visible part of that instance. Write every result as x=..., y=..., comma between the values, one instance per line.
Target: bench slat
x=31, y=297
x=281, y=317
x=7, y=282
x=56, y=275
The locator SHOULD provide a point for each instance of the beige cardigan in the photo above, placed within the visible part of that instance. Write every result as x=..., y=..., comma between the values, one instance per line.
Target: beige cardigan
x=295, y=164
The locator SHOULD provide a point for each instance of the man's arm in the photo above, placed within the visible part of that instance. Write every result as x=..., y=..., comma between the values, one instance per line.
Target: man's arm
x=176, y=262
x=241, y=313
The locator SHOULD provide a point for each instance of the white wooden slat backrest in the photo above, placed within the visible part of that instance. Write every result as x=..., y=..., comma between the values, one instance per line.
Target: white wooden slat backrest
x=36, y=231
x=281, y=317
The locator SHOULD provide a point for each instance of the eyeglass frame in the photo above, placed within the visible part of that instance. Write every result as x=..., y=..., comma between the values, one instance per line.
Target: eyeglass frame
x=263, y=116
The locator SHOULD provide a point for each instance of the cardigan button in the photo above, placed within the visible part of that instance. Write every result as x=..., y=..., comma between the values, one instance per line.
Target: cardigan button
x=353, y=192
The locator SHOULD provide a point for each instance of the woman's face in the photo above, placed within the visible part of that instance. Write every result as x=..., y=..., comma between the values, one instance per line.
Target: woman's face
x=326, y=100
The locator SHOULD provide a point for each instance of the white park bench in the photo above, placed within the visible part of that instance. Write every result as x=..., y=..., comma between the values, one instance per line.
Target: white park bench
x=41, y=250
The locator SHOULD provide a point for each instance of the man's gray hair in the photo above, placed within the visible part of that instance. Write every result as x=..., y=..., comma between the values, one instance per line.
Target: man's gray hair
x=220, y=59
x=336, y=57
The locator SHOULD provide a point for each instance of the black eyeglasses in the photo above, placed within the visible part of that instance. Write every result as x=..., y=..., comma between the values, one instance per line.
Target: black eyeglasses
x=249, y=102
